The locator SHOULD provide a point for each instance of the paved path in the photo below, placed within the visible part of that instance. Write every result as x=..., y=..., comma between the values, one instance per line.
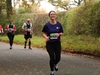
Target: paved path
x=19, y=61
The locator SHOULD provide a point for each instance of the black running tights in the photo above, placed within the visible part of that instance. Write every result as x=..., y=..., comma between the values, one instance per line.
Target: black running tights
x=54, y=51
x=11, y=37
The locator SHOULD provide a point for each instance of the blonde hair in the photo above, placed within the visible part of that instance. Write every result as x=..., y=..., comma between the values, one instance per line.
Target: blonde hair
x=28, y=19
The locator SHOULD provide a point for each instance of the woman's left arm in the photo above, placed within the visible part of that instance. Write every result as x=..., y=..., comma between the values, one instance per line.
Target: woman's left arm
x=14, y=28
x=60, y=34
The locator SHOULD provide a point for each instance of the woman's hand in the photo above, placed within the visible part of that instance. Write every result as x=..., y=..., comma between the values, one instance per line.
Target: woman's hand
x=57, y=35
x=47, y=39
x=12, y=29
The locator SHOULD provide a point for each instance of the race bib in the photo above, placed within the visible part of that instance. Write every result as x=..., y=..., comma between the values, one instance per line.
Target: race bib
x=10, y=30
x=53, y=36
x=29, y=30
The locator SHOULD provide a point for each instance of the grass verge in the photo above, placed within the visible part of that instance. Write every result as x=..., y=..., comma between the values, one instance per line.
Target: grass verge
x=75, y=44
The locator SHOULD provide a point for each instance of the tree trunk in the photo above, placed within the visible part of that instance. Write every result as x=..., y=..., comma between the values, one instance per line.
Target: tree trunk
x=0, y=11
x=9, y=8
x=85, y=2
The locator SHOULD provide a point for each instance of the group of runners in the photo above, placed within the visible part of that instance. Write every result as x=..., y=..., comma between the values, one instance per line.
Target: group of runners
x=52, y=32
x=11, y=28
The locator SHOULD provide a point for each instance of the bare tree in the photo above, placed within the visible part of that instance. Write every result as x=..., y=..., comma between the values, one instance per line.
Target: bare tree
x=59, y=3
x=79, y=2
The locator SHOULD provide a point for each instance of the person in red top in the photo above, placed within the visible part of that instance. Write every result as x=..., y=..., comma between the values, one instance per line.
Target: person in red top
x=11, y=28
x=1, y=29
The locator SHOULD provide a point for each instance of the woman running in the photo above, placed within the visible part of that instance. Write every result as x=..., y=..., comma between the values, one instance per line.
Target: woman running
x=52, y=32
x=11, y=28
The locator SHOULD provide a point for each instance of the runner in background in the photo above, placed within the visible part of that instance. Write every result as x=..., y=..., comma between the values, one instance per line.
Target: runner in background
x=27, y=28
x=10, y=28
x=1, y=29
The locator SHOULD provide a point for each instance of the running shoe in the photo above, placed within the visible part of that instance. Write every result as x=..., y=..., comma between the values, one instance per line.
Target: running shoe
x=24, y=47
x=10, y=47
x=52, y=73
x=56, y=67
x=30, y=48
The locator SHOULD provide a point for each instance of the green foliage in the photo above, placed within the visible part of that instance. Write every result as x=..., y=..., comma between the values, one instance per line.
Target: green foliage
x=67, y=22
x=89, y=19
x=83, y=20
x=38, y=23
x=2, y=6
x=80, y=20
x=21, y=10
x=3, y=20
x=95, y=15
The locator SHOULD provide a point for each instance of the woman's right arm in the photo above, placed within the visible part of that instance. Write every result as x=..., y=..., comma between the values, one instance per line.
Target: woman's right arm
x=45, y=36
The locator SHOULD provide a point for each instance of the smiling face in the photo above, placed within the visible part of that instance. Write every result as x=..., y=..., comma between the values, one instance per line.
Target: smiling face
x=52, y=15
